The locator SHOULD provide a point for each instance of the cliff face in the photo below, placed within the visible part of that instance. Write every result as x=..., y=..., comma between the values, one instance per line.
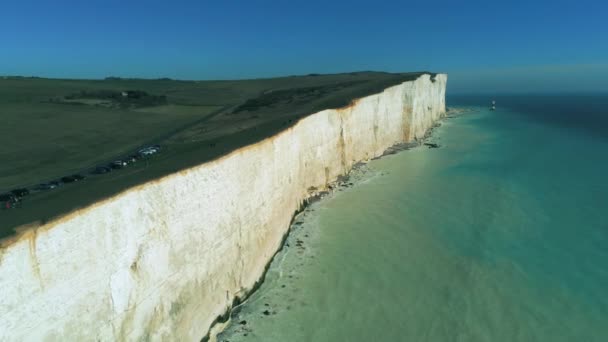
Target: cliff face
x=164, y=259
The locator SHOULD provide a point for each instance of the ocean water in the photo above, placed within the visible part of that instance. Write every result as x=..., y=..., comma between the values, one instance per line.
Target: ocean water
x=501, y=234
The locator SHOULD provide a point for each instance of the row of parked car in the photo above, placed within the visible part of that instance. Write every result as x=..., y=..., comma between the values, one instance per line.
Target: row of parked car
x=122, y=163
x=13, y=198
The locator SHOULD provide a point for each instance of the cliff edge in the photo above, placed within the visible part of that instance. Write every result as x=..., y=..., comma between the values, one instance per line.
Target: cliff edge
x=163, y=260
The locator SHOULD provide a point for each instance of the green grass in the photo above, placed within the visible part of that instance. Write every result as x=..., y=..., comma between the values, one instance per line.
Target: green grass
x=45, y=141
x=203, y=120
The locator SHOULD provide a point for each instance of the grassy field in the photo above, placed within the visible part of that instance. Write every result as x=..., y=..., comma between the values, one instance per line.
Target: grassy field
x=44, y=137
x=56, y=139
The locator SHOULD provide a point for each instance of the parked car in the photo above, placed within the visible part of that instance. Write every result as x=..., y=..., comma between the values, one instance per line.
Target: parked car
x=8, y=201
x=45, y=186
x=78, y=177
x=7, y=197
x=20, y=192
x=68, y=179
x=100, y=170
x=118, y=164
x=131, y=159
x=144, y=152
x=149, y=150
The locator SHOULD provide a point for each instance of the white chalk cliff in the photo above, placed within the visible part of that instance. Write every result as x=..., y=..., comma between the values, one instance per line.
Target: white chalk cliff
x=163, y=260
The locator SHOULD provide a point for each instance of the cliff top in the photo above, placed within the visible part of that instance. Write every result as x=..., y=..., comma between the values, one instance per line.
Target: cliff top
x=54, y=128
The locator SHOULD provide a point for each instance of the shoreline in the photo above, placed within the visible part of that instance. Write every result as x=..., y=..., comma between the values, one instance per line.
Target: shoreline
x=343, y=182
x=333, y=292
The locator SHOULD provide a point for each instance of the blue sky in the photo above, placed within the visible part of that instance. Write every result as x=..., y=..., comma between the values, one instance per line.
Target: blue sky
x=507, y=46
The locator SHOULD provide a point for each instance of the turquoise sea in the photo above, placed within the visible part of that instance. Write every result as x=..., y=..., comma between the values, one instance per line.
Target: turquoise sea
x=501, y=234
